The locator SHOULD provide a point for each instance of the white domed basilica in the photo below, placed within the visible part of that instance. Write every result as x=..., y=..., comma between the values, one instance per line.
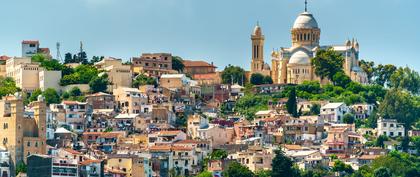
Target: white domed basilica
x=293, y=65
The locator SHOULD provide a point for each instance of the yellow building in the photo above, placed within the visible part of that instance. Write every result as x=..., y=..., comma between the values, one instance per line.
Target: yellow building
x=119, y=74
x=22, y=135
x=129, y=165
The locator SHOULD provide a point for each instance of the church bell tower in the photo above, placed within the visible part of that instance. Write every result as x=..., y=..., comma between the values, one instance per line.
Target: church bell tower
x=257, y=38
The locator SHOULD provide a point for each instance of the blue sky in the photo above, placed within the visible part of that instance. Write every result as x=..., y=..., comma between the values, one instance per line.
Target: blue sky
x=214, y=30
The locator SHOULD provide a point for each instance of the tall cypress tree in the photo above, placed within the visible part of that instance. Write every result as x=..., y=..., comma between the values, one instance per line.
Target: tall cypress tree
x=292, y=103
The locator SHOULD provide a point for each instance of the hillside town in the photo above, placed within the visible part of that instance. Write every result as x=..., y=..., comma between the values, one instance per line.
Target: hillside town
x=316, y=110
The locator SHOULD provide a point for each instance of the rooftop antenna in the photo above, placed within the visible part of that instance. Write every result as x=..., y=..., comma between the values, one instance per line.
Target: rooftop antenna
x=81, y=50
x=306, y=5
x=58, y=57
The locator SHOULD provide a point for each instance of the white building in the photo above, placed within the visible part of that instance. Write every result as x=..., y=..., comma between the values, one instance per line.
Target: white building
x=334, y=112
x=390, y=127
x=49, y=79
x=5, y=163
x=362, y=111
x=29, y=48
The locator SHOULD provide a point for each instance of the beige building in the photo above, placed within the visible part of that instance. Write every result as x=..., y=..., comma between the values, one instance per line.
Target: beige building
x=30, y=75
x=22, y=135
x=293, y=65
x=194, y=123
x=128, y=165
x=255, y=158
x=119, y=74
x=130, y=100
x=153, y=64
x=49, y=79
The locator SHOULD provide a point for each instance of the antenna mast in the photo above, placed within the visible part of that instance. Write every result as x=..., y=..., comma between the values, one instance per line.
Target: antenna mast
x=58, y=57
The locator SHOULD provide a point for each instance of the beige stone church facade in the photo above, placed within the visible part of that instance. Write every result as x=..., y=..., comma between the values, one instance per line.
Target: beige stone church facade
x=293, y=65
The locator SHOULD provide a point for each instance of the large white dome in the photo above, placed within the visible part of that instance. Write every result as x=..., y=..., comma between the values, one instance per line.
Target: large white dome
x=300, y=58
x=305, y=20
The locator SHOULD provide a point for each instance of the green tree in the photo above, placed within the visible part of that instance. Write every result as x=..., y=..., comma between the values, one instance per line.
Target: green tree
x=143, y=80
x=257, y=79
x=218, y=154
x=369, y=68
x=291, y=104
x=405, y=78
x=51, y=96
x=68, y=58
x=315, y=109
x=327, y=63
x=235, y=169
x=282, y=166
x=383, y=74
x=7, y=86
x=263, y=173
x=267, y=80
x=399, y=105
x=340, y=166
x=205, y=174
x=96, y=59
x=341, y=79
x=21, y=168
x=233, y=74
x=75, y=91
x=177, y=64
x=398, y=163
x=348, y=118
x=82, y=74
x=99, y=84
x=35, y=94
x=379, y=142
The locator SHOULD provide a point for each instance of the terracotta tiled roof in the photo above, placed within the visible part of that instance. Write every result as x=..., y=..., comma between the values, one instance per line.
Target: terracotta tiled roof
x=87, y=162
x=44, y=50
x=160, y=148
x=92, y=133
x=30, y=42
x=4, y=57
x=98, y=94
x=208, y=76
x=188, y=142
x=369, y=157
x=181, y=148
x=190, y=63
x=292, y=147
x=72, y=151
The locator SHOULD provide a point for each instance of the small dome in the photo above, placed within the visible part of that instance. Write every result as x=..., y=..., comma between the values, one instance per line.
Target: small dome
x=300, y=57
x=348, y=43
x=305, y=20
x=257, y=31
x=266, y=66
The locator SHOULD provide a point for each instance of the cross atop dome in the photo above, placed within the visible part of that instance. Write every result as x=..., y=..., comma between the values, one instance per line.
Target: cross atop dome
x=306, y=5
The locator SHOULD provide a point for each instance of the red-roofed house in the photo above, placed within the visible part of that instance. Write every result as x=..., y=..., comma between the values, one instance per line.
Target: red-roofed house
x=31, y=47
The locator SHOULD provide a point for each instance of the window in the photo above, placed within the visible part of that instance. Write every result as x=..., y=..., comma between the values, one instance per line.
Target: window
x=29, y=144
x=384, y=124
